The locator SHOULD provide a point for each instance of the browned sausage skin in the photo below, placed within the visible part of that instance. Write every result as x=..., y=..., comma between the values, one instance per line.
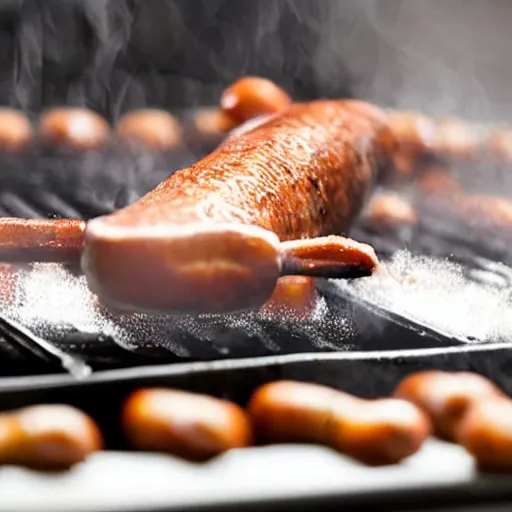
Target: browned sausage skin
x=50, y=437
x=156, y=129
x=218, y=225
x=251, y=97
x=375, y=432
x=223, y=224
x=192, y=426
x=74, y=128
x=15, y=130
x=41, y=240
x=486, y=433
x=446, y=397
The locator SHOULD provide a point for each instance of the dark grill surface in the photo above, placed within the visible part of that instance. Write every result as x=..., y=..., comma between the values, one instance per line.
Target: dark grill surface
x=70, y=184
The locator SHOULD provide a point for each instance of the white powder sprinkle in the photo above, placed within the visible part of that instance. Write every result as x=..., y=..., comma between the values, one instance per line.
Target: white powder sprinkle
x=50, y=301
x=437, y=293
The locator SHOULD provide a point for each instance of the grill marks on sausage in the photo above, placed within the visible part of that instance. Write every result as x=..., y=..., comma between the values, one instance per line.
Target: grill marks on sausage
x=265, y=177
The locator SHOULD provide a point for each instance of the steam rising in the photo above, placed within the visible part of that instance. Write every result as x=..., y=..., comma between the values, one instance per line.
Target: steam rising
x=113, y=55
x=443, y=58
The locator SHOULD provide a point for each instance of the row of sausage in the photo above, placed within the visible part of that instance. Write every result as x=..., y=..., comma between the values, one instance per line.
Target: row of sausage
x=460, y=407
x=407, y=140
x=84, y=129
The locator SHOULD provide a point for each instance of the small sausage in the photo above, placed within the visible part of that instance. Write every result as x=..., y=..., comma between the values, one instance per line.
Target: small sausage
x=207, y=127
x=76, y=128
x=446, y=397
x=499, y=144
x=372, y=431
x=15, y=130
x=388, y=212
x=405, y=140
x=478, y=211
x=52, y=437
x=294, y=297
x=483, y=211
x=456, y=139
x=192, y=426
x=253, y=96
x=156, y=129
x=408, y=141
x=486, y=433
x=41, y=240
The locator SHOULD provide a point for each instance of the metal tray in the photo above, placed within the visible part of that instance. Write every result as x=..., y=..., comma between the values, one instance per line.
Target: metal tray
x=366, y=374
x=287, y=477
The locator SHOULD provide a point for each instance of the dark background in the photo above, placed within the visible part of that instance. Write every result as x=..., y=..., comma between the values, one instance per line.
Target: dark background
x=115, y=54
x=440, y=56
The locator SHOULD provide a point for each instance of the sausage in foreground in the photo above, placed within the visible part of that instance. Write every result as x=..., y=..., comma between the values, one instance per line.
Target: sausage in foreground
x=50, y=437
x=192, y=426
x=253, y=96
x=375, y=432
x=216, y=237
x=208, y=239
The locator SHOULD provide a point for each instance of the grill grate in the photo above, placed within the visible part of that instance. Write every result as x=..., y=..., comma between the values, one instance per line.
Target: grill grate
x=83, y=185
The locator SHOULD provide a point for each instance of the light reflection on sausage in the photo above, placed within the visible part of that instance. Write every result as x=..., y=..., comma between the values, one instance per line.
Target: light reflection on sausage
x=446, y=397
x=49, y=437
x=375, y=432
x=75, y=128
x=15, y=130
x=251, y=97
x=192, y=426
x=156, y=129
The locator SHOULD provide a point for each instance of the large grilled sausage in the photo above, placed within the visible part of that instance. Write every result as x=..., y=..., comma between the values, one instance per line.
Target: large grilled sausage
x=208, y=239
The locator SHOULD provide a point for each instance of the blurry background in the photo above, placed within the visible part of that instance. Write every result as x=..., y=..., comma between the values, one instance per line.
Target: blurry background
x=440, y=56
